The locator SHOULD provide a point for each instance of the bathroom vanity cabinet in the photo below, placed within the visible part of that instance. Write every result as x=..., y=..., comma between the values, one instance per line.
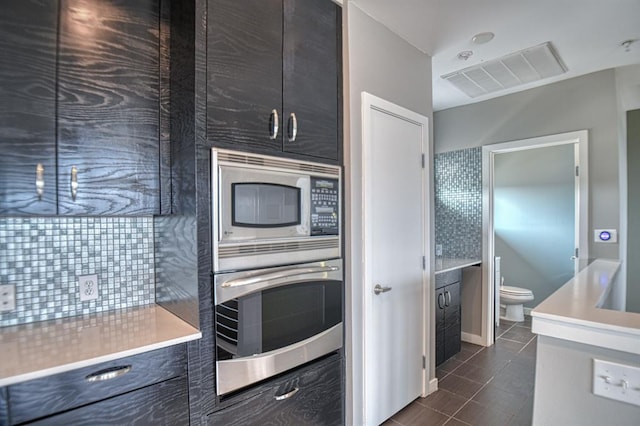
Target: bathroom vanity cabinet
x=447, y=299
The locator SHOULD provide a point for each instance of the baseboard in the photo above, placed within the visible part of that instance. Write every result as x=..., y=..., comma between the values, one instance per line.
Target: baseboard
x=471, y=338
x=433, y=386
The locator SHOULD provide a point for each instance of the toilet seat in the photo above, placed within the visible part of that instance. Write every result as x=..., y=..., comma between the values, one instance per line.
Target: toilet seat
x=516, y=294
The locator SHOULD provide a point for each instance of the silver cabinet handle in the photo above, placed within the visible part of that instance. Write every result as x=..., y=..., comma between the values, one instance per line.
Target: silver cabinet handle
x=294, y=127
x=40, y=180
x=440, y=300
x=273, y=124
x=379, y=289
x=108, y=374
x=74, y=182
x=287, y=395
x=447, y=300
x=278, y=274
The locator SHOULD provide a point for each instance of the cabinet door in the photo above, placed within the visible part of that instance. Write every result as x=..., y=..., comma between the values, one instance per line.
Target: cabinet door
x=108, y=106
x=317, y=401
x=244, y=73
x=27, y=105
x=310, y=77
x=166, y=403
x=452, y=320
x=440, y=326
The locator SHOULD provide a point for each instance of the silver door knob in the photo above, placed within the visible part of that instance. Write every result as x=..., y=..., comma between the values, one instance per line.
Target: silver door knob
x=379, y=289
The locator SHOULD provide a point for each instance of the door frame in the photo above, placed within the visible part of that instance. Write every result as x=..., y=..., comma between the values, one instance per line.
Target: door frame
x=369, y=104
x=580, y=139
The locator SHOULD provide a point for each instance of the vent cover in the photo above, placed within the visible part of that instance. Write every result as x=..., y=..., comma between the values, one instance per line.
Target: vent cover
x=271, y=248
x=528, y=65
x=262, y=161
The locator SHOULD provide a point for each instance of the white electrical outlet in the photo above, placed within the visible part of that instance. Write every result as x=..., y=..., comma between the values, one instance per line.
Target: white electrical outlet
x=438, y=249
x=7, y=297
x=88, y=287
x=616, y=381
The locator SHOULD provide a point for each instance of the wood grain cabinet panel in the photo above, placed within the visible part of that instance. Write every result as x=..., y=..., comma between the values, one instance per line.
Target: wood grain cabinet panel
x=164, y=404
x=447, y=316
x=269, y=61
x=61, y=392
x=27, y=105
x=79, y=87
x=317, y=400
x=108, y=106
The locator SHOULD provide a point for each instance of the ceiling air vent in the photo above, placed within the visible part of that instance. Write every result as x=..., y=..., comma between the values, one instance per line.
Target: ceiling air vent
x=532, y=64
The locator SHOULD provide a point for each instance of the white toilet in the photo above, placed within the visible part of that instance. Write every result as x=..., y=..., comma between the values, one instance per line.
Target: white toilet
x=513, y=298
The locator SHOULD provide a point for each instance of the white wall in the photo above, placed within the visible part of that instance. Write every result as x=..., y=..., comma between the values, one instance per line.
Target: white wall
x=379, y=62
x=586, y=102
x=563, y=386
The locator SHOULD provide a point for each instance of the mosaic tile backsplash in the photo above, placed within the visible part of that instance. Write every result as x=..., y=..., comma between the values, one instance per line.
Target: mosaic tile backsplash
x=458, y=209
x=43, y=257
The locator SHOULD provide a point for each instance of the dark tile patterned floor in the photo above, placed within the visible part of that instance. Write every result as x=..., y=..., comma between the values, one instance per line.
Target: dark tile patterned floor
x=481, y=386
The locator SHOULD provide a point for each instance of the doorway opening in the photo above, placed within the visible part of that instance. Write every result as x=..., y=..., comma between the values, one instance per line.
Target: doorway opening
x=531, y=217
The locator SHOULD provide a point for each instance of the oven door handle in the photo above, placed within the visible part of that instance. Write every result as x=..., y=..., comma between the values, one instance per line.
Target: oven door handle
x=278, y=275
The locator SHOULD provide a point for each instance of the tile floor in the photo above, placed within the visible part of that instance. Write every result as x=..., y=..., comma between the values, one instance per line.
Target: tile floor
x=481, y=386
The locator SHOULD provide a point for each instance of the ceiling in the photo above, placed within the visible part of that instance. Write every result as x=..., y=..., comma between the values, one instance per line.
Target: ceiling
x=587, y=34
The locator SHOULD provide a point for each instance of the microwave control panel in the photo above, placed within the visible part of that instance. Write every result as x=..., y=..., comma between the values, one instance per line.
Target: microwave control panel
x=325, y=204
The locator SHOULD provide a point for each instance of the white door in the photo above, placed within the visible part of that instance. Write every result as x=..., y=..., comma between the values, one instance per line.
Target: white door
x=394, y=230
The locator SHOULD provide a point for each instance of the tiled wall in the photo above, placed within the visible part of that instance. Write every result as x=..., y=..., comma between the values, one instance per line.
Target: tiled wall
x=43, y=256
x=458, y=209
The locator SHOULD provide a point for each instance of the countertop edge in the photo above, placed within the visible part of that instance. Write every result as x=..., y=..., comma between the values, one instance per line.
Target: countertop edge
x=572, y=312
x=448, y=264
x=184, y=333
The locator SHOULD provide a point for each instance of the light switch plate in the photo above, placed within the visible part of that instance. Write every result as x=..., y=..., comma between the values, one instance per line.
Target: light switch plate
x=88, y=287
x=7, y=297
x=616, y=381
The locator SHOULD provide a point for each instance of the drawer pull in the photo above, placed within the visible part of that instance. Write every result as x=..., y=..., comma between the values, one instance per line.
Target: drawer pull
x=287, y=395
x=74, y=182
x=273, y=124
x=40, y=180
x=108, y=374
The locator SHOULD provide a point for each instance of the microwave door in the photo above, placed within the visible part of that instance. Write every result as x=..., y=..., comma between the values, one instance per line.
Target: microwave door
x=262, y=205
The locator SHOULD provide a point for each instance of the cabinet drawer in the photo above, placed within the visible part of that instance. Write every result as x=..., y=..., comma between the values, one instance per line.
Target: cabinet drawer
x=42, y=397
x=449, y=277
x=317, y=401
x=165, y=403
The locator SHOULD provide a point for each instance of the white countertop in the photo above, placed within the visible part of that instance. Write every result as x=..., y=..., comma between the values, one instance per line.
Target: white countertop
x=571, y=313
x=449, y=264
x=40, y=349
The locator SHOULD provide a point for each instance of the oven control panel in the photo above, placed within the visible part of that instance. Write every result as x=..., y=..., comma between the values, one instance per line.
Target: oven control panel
x=325, y=205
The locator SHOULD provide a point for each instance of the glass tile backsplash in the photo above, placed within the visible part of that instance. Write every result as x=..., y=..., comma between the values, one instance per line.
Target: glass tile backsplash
x=44, y=256
x=458, y=209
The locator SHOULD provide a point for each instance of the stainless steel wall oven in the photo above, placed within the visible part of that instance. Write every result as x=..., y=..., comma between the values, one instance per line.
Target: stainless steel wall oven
x=278, y=278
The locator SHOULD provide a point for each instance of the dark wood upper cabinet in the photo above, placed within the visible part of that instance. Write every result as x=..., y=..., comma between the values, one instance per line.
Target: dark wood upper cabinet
x=27, y=106
x=79, y=90
x=274, y=63
x=108, y=106
x=310, y=77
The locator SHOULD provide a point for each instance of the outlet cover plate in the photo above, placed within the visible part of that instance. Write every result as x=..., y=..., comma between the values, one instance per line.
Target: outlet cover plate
x=7, y=297
x=88, y=287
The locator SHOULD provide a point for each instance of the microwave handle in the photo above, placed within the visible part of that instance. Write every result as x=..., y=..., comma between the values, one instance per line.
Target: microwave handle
x=277, y=275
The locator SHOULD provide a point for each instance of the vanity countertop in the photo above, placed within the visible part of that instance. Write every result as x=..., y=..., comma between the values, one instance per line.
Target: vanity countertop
x=449, y=264
x=31, y=351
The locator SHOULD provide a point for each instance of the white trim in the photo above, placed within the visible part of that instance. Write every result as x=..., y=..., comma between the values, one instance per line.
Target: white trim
x=433, y=386
x=471, y=338
x=581, y=140
x=369, y=104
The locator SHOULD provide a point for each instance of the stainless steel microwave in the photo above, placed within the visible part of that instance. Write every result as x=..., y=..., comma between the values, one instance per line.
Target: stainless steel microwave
x=270, y=211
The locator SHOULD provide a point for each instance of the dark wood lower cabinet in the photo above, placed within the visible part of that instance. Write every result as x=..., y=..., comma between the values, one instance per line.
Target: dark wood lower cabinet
x=448, y=325
x=165, y=403
x=309, y=396
x=148, y=388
